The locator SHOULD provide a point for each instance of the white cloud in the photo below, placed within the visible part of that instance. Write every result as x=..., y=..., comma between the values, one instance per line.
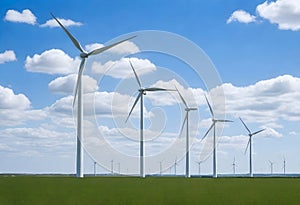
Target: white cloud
x=36, y=140
x=10, y=100
x=126, y=47
x=241, y=16
x=67, y=83
x=121, y=69
x=52, y=61
x=7, y=56
x=267, y=101
x=66, y=22
x=284, y=13
x=25, y=17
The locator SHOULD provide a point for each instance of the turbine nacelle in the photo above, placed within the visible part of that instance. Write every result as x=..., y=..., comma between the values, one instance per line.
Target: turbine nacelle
x=84, y=55
x=190, y=108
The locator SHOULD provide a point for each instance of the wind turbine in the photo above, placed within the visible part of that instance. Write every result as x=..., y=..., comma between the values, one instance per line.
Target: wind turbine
x=142, y=91
x=199, y=167
x=186, y=120
x=175, y=165
x=233, y=165
x=95, y=164
x=284, y=165
x=271, y=166
x=213, y=126
x=249, y=144
x=78, y=91
x=112, y=167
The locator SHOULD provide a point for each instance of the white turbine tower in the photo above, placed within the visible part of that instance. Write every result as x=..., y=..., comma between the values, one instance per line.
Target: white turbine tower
x=199, y=166
x=175, y=166
x=213, y=126
x=271, y=166
x=284, y=165
x=142, y=91
x=234, y=165
x=186, y=120
x=249, y=144
x=78, y=91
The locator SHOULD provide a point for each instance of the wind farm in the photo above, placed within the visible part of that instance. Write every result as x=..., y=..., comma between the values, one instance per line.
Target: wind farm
x=185, y=102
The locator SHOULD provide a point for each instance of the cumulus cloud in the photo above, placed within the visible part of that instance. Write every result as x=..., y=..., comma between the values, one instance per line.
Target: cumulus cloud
x=26, y=16
x=121, y=69
x=126, y=47
x=66, y=22
x=36, y=140
x=66, y=84
x=10, y=100
x=15, y=109
x=266, y=101
x=7, y=56
x=241, y=16
x=284, y=13
x=52, y=61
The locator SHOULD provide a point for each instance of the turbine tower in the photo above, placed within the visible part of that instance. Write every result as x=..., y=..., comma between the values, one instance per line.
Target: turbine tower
x=271, y=166
x=284, y=165
x=142, y=91
x=233, y=165
x=213, y=126
x=186, y=120
x=249, y=144
x=78, y=91
x=199, y=167
x=175, y=166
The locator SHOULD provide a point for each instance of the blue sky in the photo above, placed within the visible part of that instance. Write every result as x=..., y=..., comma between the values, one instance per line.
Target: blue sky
x=254, y=45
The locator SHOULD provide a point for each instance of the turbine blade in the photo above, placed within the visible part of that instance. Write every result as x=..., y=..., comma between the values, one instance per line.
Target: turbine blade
x=211, y=110
x=257, y=132
x=75, y=42
x=224, y=120
x=78, y=79
x=212, y=125
x=136, y=76
x=158, y=89
x=245, y=126
x=102, y=49
x=134, y=104
x=185, y=118
x=247, y=145
x=182, y=99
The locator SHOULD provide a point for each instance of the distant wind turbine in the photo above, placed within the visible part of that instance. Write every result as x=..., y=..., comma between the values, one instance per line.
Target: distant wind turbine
x=95, y=165
x=160, y=167
x=199, y=166
x=284, y=165
x=112, y=167
x=233, y=165
x=249, y=144
x=142, y=91
x=271, y=166
x=78, y=91
x=213, y=126
x=186, y=120
x=175, y=166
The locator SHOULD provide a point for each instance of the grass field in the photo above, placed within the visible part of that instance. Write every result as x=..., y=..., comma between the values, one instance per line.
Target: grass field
x=125, y=190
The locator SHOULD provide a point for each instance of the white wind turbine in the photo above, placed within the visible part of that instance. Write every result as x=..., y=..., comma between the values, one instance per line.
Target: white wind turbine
x=199, y=166
x=271, y=166
x=284, y=165
x=186, y=120
x=234, y=165
x=213, y=126
x=78, y=91
x=249, y=144
x=142, y=91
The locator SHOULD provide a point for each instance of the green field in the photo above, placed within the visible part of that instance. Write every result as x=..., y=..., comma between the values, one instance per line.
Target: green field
x=125, y=190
